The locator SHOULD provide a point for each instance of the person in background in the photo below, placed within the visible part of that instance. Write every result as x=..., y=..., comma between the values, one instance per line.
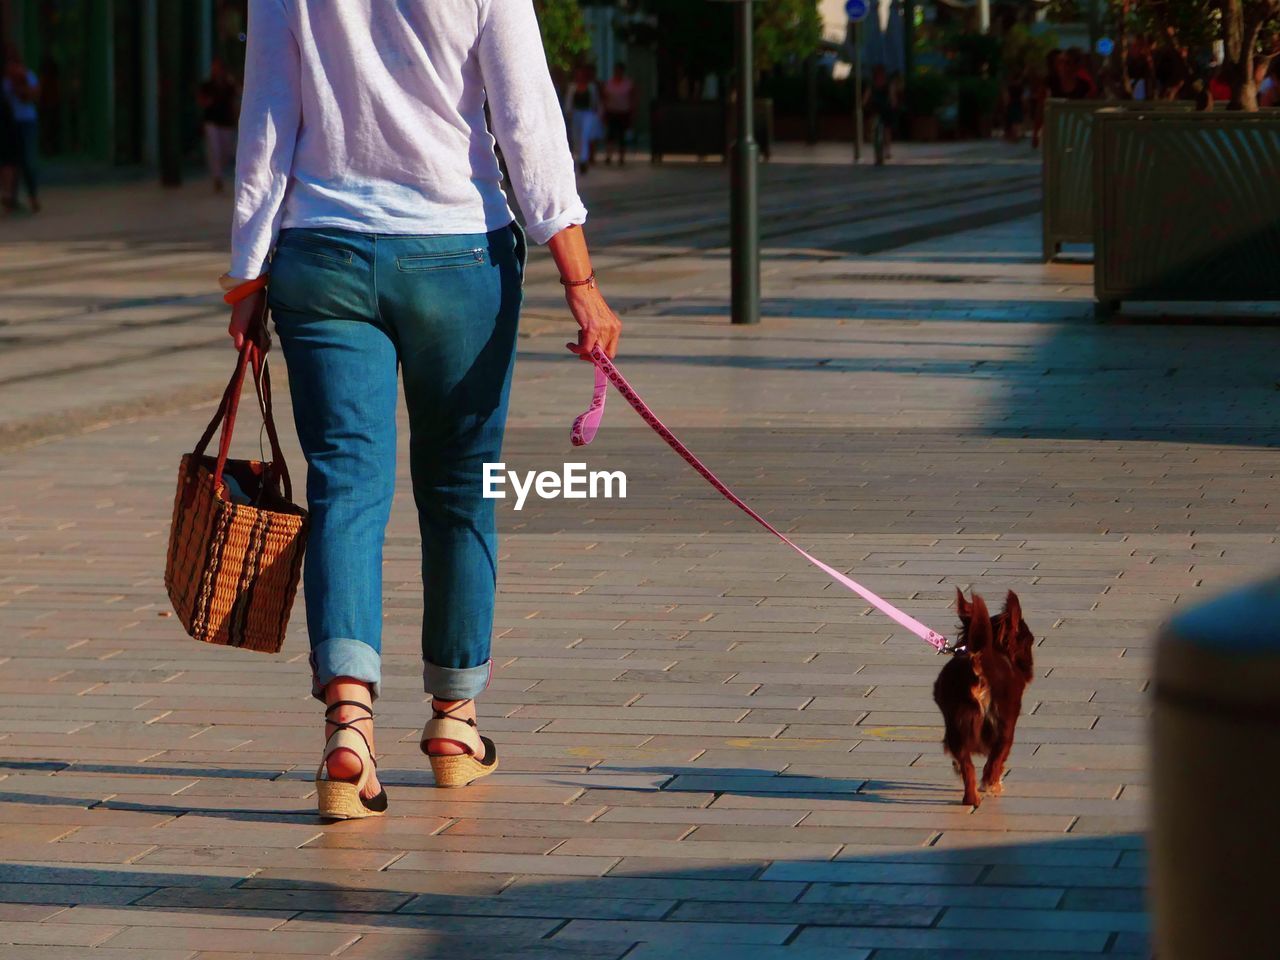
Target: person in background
x=582, y=109
x=21, y=88
x=9, y=151
x=619, y=110
x=881, y=101
x=1171, y=71
x=1074, y=79
x=1015, y=110
x=1219, y=89
x=1139, y=67
x=217, y=98
x=1264, y=75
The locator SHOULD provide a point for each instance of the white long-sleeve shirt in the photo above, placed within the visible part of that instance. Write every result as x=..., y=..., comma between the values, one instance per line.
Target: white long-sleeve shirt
x=369, y=115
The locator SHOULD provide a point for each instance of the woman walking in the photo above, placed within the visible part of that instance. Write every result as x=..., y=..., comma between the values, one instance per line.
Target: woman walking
x=368, y=176
x=21, y=88
x=582, y=108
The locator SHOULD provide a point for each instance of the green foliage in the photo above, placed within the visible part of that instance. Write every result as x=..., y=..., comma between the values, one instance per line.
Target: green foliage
x=564, y=32
x=1025, y=53
x=1063, y=11
x=976, y=97
x=973, y=54
x=698, y=34
x=1195, y=23
x=785, y=30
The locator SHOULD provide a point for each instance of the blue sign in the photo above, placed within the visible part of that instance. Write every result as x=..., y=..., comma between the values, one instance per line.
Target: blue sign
x=857, y=9
x=1105, y=46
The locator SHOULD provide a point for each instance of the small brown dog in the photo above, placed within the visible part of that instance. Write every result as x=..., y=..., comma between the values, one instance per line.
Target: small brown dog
x=980, y=689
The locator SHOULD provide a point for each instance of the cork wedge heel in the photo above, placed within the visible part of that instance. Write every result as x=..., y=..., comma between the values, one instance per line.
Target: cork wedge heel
x=342, y=799
x=458, y=770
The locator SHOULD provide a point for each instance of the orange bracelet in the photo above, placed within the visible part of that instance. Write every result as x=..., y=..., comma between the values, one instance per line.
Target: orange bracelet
x=246, y=289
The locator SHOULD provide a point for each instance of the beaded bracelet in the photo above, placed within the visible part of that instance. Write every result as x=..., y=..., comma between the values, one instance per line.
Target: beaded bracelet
x=589, y=282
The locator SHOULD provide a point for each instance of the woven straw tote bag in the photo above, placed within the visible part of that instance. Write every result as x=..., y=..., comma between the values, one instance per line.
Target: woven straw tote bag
x=236, y=543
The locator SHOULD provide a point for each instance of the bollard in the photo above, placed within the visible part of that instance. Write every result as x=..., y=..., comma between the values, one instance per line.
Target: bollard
x=1215, y=846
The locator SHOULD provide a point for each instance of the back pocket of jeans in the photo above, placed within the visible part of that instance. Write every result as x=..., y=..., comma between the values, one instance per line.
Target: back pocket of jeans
x=441, y=261
x=315, y=248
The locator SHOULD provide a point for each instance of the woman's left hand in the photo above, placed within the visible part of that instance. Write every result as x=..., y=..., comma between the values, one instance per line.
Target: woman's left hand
x=598, y=325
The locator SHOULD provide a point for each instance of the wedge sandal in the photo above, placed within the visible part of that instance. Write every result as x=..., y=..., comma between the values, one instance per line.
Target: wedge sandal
x=458, y=770
x=342, y=799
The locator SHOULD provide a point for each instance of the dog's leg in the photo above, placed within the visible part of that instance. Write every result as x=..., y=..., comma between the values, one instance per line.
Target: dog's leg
x=971, y=796
x=993, y=772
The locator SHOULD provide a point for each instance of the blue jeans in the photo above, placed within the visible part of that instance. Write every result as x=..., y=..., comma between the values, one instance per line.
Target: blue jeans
x=351, y=308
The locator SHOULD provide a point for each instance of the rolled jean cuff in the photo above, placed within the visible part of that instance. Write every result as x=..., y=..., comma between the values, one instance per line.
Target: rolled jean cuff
x=452, y=683
x=343, y=657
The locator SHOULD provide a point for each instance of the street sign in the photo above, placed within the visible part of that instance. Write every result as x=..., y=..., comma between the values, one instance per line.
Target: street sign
x=857, y=10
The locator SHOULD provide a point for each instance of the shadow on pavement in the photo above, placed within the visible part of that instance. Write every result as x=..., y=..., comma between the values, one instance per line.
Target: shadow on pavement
x=1064, y=897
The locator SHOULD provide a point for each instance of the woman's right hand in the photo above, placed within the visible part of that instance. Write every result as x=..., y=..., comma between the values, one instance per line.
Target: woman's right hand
x=244, y=315
x=598, y=325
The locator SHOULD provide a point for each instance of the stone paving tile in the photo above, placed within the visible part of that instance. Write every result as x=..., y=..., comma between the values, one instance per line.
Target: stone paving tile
x=1009, y=919
x=515, y=905
x=1022, y=942
x=982, y=953
x=420, y=945
x=32, y=952
x=271, y=943
x=28, y=912
x=69, y=894
x=135, y=916
x=55, y=933
x=661, y=951
x=569, y=866
x=684, y=932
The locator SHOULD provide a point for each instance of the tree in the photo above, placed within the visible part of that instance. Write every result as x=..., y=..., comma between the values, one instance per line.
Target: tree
x=1242, y=25
x=694, y=38
x=564, y=32
x=1191, y=25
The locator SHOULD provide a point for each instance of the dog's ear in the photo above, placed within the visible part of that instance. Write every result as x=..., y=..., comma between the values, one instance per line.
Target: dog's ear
x=1012, y=624
x=978, y=636
x=963, y=607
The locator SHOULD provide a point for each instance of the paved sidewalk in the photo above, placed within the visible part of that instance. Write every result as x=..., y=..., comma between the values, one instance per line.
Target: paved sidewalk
x=708, y=750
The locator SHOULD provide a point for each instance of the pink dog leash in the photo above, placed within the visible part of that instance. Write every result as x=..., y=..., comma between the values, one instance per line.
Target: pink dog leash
x=587, y=426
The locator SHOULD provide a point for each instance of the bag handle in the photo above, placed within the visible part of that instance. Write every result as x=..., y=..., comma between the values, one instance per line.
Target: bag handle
x=262, y=384
x=252, y=356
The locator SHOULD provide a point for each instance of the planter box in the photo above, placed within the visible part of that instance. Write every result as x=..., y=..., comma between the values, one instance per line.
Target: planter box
x=1185, y=207
x=702, y=128
x=1067, y=171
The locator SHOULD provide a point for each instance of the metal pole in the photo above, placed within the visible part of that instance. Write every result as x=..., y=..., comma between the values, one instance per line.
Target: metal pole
x=206, y=37
x=150, y=84
x=857, y=92
x=744, y=204
x=984, y=16
x=908, y=38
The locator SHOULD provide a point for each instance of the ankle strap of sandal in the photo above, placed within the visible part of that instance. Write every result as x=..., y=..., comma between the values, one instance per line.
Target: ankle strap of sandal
x=449, y=714
x=351, y=724
x=349, y=703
